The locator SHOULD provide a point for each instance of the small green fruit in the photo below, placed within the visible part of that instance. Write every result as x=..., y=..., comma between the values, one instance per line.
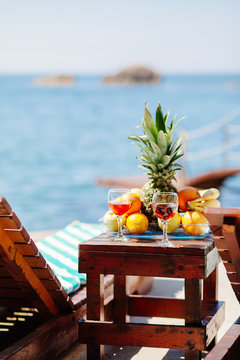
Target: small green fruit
x=110, y=221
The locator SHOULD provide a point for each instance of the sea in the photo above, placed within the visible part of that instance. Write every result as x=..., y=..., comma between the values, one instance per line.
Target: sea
x=57, y=141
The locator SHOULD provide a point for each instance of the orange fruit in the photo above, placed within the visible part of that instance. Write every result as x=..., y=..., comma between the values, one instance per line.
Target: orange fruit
x=136, y=203
x=188, y=193
x=137, y=223
x=194, y=223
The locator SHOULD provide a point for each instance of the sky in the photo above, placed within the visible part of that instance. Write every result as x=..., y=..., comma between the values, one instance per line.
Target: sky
x=104, y=36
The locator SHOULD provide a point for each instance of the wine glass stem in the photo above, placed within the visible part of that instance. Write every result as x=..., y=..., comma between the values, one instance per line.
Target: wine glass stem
x=120, y=230
x=165, y=225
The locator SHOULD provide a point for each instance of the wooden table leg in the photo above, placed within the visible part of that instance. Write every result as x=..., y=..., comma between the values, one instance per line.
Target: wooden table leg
x=210, y=287
x=95, y=310
x=120, y=311
x=193, y=313
x=210, y=292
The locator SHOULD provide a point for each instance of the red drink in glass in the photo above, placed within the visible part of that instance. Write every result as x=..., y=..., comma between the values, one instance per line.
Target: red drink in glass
x=119, y=208
x=165, y=211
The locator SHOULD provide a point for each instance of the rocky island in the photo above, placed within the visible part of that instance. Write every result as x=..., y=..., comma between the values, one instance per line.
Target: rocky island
x=58, y=80
x=133, y=74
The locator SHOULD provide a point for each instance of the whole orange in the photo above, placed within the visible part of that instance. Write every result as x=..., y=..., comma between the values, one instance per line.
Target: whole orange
x=137, y=223
x=188, y=193
x=194, y=223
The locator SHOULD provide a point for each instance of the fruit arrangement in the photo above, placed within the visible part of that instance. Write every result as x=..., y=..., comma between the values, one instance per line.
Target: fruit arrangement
x=159, y=155
x=190, y=216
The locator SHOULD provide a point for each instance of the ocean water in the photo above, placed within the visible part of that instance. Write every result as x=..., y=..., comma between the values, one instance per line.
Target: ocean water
x=56, y=141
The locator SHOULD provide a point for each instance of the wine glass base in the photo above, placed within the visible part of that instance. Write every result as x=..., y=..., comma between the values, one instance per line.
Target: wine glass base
x=120, y=238
x=165, y=243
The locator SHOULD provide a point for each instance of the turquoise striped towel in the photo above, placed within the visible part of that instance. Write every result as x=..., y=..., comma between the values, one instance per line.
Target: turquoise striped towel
x=61, y=252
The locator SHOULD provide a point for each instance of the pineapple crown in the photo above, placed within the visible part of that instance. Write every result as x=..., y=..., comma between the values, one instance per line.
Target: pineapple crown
x=158, y=152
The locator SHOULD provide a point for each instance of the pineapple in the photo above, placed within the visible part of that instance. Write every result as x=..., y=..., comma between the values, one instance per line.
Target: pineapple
x=159, y=155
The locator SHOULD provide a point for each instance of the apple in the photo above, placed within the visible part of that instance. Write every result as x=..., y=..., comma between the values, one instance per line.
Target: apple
x=110, y=221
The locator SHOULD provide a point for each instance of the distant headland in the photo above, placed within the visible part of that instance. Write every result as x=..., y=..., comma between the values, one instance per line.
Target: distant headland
x=57, y=80
x=133, y=74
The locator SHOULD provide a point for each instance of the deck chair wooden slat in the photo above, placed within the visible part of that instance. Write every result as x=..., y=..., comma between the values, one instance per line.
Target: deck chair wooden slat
x=18, y=235
x=10, y=221
x=225, y=226
x=44, y=273
x=27, y=250
x=5, y=208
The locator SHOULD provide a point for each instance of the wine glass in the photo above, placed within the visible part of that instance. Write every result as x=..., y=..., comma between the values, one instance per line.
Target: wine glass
x=165, y=206
x=120, y=201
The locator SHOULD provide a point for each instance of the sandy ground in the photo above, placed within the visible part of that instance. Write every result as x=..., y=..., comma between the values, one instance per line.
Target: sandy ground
x=168, y=288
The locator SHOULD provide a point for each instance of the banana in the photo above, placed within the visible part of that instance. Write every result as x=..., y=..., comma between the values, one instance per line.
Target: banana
x=208, y=198
x=200, y=206
x=209, y=194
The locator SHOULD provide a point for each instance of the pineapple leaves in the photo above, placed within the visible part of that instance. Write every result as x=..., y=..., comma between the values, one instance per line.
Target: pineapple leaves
x=162, y=142
x=148, y=125
x=160, y=123
x=159, y=154
x=166, y=159
x=157, y=151
x=142, y=139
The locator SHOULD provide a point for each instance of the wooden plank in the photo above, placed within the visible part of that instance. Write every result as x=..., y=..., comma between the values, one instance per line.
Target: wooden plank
x=229, y=266
x=95, y=311
x=44, y=273
x=221, y=243
x=224, y=254
x=18, y=235
x=166, y=336
x=193, y=312
x=5, y=208
x=10, y=221
x=25, y=277
x=213, y=321
x=228, y=348
x=36, y=261
x=161, y=265
x=103, y=243
x=210, y=290
x=51, y=284
x=232, y=276
x=62, y=299
x=29, y=249
x=153, y=306
x=120, y=304
x=95, y=297
x=231, y=231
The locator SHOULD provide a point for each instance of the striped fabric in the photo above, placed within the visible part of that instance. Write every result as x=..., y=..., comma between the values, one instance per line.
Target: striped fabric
x=61, y=252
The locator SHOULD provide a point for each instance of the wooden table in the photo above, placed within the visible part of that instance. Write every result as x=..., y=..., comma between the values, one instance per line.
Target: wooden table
x=193, y=260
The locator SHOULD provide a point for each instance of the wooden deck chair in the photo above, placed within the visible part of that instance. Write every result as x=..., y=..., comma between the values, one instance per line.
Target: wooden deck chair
x=225, y=226
x=38, y=320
